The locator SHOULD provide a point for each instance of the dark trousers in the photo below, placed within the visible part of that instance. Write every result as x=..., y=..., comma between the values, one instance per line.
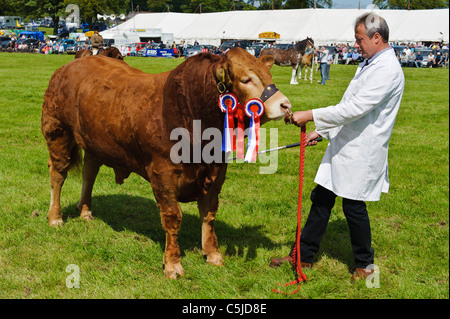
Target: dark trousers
x=358, y=222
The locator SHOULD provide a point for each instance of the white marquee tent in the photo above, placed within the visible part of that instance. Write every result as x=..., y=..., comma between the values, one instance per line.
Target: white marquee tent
x=325, y=26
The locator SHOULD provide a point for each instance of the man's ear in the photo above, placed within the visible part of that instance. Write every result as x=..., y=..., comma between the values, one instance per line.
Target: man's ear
x=267, y=60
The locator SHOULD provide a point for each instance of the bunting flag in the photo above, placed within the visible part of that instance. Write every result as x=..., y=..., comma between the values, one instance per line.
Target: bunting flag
x=228, y=103
x=254, y=108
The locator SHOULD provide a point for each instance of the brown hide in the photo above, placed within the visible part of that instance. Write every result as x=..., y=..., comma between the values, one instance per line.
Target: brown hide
x=122, y=117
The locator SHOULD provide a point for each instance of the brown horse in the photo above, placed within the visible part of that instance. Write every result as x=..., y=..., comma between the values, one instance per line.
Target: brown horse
x=307, y=62
x=290, y=57
x=111, y=52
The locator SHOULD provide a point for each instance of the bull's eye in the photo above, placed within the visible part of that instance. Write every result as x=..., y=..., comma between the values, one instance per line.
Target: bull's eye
x=246, y=80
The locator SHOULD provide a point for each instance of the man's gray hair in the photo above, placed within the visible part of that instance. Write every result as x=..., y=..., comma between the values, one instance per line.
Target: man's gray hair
x=374, y=23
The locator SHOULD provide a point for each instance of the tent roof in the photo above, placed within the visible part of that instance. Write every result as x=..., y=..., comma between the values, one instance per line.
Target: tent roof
x=323, y=25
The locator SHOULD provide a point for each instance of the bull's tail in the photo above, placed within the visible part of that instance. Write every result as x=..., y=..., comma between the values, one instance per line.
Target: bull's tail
x=76, y=157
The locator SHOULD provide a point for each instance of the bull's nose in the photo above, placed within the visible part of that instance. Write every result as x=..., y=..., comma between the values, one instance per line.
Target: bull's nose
x=286, y=105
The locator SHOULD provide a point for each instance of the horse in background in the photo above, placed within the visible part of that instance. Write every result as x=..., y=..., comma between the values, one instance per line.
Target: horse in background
x=291, y=57
x=111, y=52
x=307, y=62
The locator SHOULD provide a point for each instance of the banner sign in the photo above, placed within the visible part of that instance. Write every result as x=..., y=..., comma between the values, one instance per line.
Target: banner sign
x=269, y=35
x=159, y=52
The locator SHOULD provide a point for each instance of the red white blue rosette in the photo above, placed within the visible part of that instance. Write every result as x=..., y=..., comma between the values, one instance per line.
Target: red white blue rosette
x=228, y=104
x=254, y=108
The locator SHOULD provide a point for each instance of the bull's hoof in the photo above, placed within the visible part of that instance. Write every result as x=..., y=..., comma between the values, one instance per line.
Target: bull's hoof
x=55, y=222
x=173, y=271
x=86, y=215
x=215, y=259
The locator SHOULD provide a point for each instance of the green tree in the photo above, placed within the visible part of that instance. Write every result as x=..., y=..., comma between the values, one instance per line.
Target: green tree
x=43, y=8
x=413, y=4
x=301, y=4
x=89, y=9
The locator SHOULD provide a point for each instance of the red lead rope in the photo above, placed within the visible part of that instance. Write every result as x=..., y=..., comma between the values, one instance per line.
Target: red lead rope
x=296, y=251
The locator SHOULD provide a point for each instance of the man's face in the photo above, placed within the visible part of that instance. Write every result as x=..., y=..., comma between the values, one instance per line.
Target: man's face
x=366, y=45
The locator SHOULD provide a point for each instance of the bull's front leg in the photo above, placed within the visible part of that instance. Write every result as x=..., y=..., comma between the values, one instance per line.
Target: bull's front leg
x=171, y=222
x=208, y=206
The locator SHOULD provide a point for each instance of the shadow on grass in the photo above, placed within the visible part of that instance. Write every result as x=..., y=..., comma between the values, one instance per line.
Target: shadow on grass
x=141, y=215
x=336, y=243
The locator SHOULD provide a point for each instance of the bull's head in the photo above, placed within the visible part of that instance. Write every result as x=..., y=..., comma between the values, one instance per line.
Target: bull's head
x=248, y=77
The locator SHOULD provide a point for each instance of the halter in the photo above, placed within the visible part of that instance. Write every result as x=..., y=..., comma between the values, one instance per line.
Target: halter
x=268, y=91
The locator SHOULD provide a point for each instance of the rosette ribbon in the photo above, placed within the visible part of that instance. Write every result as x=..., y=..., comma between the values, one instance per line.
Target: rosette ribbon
x=228, y=104
x=239, y=114
x=254, y=108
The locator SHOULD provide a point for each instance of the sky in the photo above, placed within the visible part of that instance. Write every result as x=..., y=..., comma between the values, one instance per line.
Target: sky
x=350, y=4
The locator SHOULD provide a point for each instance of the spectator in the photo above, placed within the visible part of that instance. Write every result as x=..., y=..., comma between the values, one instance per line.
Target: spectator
x=348, y=59
x=323, y=64
x=438, y=60
x=411, y=59
x=355, y=57
x=419, y=59
x=329, y=62
x=430, y=59
x=445, y=58
x=404, y=59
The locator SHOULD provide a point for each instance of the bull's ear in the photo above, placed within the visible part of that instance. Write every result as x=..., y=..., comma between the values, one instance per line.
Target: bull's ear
x=220, y=71
x=267, y=60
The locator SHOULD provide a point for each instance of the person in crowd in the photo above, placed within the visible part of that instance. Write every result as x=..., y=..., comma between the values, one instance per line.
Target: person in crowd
x=329, y=62
x=419, y=59
x=324, y=53
x=438, y=60
x=355, y=56
x=411, y=58
x=430, y=59
x=404, y=59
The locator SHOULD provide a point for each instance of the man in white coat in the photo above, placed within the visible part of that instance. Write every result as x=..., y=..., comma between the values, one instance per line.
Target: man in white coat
x=355, y=164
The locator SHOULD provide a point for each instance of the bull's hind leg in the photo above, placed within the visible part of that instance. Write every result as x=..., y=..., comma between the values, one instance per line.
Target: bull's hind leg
x=64, y=153
x=91, y=167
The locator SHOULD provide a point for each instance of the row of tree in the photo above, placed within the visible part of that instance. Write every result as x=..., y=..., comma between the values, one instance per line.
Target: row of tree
x=88, y=9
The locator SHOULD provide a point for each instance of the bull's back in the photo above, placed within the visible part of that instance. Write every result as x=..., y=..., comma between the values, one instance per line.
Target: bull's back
x=105, y=103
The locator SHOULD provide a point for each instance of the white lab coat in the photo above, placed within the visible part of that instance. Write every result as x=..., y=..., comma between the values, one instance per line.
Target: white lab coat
x=355, y=164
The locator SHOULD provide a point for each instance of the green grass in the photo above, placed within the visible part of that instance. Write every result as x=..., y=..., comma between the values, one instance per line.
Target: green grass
x=120, y=253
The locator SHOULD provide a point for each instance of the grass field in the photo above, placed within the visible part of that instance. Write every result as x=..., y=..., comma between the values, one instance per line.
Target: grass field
x=119, y=254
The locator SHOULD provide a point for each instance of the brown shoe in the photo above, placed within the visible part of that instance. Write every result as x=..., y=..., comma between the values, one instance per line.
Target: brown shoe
x=277, y=262
x=361, y=273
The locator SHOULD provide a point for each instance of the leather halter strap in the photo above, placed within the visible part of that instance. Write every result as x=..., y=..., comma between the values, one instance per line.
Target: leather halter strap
x=269, y=90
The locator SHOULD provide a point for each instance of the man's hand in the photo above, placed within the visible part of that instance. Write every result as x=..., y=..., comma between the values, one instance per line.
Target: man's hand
x=310, y=137
x=300, y=118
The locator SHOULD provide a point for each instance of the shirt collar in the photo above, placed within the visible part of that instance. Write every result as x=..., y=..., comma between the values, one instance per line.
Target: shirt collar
x=368, y=61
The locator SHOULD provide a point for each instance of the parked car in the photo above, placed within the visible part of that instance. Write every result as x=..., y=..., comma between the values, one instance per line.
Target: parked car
x=29, y=43
x=282, y=46
x=258, y=46
x=198, y=49
x=234, y=43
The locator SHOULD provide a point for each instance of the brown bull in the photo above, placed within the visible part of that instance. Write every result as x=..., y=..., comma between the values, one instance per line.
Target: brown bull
x=123, y=118
x=111, y=52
